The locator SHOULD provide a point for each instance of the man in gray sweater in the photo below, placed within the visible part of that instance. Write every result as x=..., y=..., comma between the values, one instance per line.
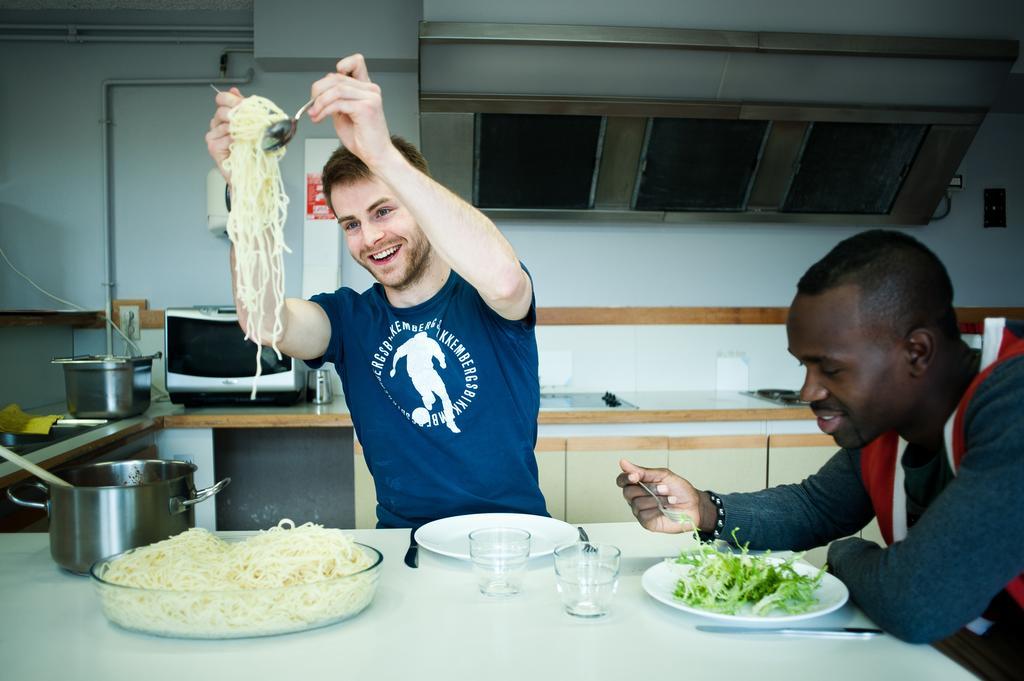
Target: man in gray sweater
x=932, y=444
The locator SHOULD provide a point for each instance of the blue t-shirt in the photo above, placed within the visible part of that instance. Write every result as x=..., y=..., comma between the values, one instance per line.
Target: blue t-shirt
x=444, y=398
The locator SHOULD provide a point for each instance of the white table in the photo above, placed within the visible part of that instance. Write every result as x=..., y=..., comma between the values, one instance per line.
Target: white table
x=431, y=623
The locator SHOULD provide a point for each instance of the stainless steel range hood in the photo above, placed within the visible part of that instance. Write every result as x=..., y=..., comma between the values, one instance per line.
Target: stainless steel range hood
x=679, y=125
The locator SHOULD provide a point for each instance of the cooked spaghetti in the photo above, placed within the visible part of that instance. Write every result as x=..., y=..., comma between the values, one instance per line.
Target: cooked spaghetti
x=197, y=585
x=259, y=207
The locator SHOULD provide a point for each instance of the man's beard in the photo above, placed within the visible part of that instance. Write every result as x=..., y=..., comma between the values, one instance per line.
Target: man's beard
x=418, y=255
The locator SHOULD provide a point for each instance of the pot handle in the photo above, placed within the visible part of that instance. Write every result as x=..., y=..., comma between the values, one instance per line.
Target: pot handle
x=25, y=502
x=181, y=504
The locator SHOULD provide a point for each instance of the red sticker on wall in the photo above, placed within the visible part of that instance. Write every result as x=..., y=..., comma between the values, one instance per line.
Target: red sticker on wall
x=316, y=202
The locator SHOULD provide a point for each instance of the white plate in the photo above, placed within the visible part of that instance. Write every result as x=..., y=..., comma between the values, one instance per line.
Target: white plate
x=660, y=582
x=450, y=536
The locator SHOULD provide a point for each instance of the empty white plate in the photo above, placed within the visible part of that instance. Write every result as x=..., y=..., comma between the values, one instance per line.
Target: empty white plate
x=450, y=536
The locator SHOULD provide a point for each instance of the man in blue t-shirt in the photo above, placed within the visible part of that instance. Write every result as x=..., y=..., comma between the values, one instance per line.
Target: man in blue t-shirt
x=438, y=359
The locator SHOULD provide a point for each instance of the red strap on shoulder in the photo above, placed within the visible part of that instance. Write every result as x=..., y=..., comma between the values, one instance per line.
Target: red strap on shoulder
x=1012, y=346
x=1016, y=590
x=878, y=471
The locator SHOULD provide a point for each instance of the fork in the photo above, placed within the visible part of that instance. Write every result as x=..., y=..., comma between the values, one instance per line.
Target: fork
x=671, y=514
x=585, y=540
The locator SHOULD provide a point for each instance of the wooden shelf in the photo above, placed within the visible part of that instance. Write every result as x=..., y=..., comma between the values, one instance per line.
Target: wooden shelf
x=546, y=316
x=714, y=315
x=85, y=319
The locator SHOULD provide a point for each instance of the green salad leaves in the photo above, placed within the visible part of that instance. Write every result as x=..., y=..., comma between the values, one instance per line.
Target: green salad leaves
x=741, y=583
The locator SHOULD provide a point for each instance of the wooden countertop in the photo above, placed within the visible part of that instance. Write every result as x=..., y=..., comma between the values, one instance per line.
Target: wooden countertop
x=652, y=407
x=301, y=415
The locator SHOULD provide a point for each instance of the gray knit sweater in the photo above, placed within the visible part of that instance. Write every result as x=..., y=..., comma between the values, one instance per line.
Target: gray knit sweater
x=965, y=548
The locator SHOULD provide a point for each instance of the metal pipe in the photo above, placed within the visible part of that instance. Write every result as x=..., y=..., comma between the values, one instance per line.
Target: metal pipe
x=125, y=39
x=108, y=170
x=101, y=33
x=121, y=27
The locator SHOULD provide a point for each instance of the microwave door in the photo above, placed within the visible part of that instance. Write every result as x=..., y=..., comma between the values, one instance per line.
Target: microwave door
x=215, y=349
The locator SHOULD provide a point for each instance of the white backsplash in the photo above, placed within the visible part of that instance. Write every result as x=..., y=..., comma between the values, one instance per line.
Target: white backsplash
x=612, y=357
x=671, y=357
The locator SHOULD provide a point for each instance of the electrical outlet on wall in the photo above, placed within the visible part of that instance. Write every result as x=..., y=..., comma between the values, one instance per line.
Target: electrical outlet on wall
x=995, y=207
x=131, y=322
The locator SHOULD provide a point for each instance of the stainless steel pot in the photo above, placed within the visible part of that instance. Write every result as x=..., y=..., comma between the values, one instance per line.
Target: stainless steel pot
x=115, y=506
x=107, y=387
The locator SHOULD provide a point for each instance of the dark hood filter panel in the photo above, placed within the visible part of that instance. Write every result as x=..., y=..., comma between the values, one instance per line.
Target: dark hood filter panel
x=699, y=164
x=855, y=168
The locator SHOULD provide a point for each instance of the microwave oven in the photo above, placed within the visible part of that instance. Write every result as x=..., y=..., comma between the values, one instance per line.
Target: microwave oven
x=208, y=361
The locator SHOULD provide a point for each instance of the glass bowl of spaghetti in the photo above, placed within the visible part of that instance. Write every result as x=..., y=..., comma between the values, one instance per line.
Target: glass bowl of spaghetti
x=196, y=585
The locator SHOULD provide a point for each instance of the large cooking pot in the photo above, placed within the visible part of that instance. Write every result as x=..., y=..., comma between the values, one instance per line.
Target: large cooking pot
x=115, y=506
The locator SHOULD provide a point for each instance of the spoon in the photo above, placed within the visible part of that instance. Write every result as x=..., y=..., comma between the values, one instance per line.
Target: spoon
x=35, y=470
x=671, y=514
x=281, y=133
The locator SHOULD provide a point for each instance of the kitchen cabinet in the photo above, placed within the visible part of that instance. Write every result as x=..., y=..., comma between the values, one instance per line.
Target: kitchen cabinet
x=723, y=463
x=365, y=492
x=550, y=453
x=591, y=466
x=791, y=458
x=300, y=473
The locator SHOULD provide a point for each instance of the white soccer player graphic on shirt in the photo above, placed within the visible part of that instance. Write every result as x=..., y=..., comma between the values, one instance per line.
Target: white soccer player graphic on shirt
x=419, y=352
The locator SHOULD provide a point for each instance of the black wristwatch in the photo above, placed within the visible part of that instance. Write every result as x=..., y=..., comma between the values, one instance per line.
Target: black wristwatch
x=227, y=196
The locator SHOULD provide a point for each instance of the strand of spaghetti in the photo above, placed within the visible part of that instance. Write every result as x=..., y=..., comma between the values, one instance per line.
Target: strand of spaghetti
x=259, y=207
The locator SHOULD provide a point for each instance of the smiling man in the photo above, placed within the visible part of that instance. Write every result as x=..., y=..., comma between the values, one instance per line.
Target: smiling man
x=932, y=440
x=451, y=299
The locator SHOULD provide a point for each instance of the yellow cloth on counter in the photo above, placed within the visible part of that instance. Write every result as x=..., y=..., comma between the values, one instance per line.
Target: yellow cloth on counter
x=14, y=420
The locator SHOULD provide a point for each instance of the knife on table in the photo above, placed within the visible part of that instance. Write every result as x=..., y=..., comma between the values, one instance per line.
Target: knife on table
x=819, y=632
x=412, y=554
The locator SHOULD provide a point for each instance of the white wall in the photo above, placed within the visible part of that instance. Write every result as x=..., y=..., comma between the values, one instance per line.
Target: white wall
x=50, y=173
x=51, y=182
x=740, y=265
x=758, y=265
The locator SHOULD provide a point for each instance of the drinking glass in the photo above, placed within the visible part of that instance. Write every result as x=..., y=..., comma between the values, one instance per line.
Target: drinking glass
x=499, y=559
x=587, y=576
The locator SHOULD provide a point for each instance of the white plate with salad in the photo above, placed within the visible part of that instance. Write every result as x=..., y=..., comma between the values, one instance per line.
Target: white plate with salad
x=701, y=592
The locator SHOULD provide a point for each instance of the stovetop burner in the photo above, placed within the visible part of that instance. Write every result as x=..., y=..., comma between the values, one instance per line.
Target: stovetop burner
x=779, y=396
x=583, y=401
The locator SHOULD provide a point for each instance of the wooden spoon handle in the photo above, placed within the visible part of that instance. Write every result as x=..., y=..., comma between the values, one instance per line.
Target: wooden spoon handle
x=35, y=470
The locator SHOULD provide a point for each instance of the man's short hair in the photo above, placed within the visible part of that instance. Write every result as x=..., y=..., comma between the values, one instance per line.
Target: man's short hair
x=904, y=285
x=344, y=167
